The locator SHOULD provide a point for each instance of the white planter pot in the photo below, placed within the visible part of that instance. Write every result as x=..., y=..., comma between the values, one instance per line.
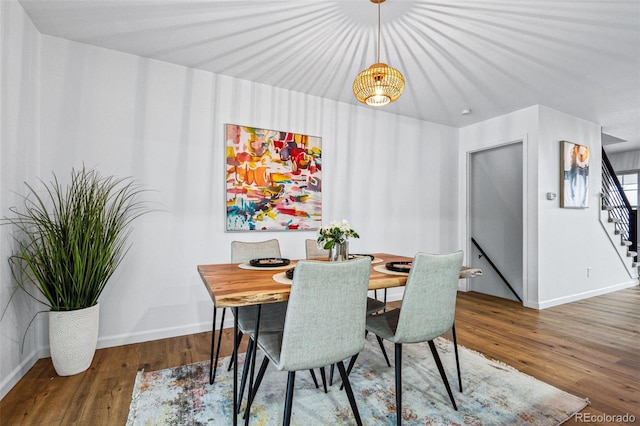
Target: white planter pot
x=73, y=337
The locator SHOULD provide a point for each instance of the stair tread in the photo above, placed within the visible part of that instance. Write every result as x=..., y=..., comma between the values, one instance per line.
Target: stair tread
x=616, y=213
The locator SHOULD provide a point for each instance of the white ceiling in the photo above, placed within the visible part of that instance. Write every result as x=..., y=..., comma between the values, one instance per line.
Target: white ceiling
x=581, y=57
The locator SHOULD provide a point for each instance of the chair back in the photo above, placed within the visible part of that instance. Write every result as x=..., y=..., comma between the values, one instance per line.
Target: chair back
x=429, y=300
x=244, y=251
x=325, y=320
x=312, y=250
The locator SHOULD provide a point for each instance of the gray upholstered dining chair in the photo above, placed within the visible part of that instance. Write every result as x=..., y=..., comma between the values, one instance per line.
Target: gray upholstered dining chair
x=427, y=311
x=314, y=252
x=324, y=324
x=272, y=315
x=244, y=251
x=373, y=304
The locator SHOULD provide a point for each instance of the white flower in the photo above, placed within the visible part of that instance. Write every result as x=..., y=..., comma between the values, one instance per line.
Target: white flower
x=335, y=232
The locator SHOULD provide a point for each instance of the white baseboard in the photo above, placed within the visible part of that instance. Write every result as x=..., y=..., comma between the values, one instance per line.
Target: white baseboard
x=145, y=336
x=18, y=373
x=580, y=296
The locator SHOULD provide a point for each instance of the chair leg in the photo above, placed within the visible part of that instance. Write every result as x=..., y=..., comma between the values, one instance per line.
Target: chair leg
x=245, y=371
x=384, y=352
x=288, y=403
x=313, y=376
x=442, y=373
x=333, y=366
x=324, y=379
x=256, y=385
x=347, y=388
x=213, y=367
x=455, y=348
x=398, y=361
x=349, y=368
x=352, y=361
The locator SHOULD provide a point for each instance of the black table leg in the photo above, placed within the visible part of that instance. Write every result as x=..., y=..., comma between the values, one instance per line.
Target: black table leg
x=213, y=367
x=250, y=395
x=235, y=367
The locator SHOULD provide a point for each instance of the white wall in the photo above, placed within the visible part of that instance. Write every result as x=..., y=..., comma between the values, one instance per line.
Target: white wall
x=559, y=244
x=162, y=124
x=571, y=240
x=19, y=161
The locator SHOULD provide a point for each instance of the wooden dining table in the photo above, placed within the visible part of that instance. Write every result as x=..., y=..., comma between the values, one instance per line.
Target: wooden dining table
x=233, y=285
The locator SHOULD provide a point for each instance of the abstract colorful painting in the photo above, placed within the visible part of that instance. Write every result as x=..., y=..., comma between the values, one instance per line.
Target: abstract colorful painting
x=274, y=180
x=574, y=175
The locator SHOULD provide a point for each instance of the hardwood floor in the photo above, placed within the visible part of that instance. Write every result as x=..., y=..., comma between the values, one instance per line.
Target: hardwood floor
x=590, y=348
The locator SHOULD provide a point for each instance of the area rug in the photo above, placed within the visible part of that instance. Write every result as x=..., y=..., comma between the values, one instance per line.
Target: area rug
x=493, y=394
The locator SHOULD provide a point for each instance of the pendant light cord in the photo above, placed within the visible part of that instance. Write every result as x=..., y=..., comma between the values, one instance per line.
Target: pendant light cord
x=379, y=32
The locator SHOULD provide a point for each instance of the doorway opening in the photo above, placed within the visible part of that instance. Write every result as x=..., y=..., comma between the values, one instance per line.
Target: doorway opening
x=496, y=220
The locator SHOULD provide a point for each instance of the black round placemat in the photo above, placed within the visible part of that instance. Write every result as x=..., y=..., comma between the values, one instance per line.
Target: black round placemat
x=269, y=262
x=289, y=273
x=399, y=266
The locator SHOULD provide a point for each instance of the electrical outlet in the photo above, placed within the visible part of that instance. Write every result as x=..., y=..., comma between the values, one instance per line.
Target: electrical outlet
x=588, y=271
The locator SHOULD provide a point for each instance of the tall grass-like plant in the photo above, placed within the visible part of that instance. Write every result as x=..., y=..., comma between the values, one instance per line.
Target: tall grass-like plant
x=70, y=239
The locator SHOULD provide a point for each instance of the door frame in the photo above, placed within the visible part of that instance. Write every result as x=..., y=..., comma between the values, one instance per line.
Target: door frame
x=466, y=197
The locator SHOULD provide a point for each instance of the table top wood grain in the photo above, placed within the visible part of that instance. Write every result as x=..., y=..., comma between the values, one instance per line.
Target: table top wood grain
x=231, y=286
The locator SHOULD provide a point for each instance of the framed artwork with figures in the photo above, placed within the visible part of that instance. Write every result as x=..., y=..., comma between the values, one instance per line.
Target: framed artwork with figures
x=273, y=180
x=574, y=175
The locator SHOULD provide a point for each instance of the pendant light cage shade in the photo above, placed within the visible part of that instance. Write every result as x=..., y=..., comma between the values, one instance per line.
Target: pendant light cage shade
x=378, y=85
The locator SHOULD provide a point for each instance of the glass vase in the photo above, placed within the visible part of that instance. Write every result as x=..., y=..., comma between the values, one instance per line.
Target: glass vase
x=339, y=252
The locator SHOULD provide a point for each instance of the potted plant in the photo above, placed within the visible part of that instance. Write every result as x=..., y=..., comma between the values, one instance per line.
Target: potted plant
x=334, y=237
x=69, y=241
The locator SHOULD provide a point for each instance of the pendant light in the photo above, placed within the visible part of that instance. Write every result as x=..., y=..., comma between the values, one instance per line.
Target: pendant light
x=379, y=84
